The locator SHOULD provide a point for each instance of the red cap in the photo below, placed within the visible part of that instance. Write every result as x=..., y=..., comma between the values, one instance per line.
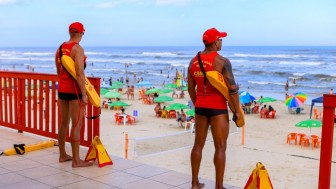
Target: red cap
x=77, y=26
x=211, y=35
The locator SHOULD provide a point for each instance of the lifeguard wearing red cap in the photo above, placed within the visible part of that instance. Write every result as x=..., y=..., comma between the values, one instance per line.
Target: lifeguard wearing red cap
x=77, y=26
x=211, y=35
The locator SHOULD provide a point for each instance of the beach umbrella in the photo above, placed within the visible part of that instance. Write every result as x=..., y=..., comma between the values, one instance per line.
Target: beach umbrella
x=164, y=91
x=111, y=94
x=171, y=86
x=117, y=83
x=144, y=84
x=309, y=123
x=116, y=86
x=266, y=99
x=295, y=100
x=103, y=91
x=118, y=103
x=177, y=106
x=151, y=91
x=245, y=97
x=191, y=112
x=163, y=98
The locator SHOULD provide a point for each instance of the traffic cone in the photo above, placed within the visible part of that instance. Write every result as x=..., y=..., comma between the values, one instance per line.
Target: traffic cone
x=259, y=178
x=98, y=151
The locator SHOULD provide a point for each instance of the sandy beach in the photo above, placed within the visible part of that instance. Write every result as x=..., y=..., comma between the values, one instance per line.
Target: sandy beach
x=161, y=142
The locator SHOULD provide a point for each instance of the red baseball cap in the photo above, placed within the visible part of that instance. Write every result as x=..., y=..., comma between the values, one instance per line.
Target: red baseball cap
x=77, y=26
x=211, y=35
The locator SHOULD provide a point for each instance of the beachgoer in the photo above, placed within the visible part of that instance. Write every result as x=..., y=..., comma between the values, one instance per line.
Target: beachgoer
x=131, y=92
x=157, y=109
x=331, y=91
x=286, y=86
x=211, y=105
x=72, y=95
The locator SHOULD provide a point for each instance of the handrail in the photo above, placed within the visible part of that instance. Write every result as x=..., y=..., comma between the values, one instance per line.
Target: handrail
x=29, y=104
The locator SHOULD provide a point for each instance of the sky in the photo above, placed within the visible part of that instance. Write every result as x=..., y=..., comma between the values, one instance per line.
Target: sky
x=44, y=23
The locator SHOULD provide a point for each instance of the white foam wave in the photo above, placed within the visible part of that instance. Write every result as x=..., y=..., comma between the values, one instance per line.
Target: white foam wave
x=265, y=83
x=301, y=63
x=161, y=54
x=38, y=53
x=299, y=74
x=274, y=55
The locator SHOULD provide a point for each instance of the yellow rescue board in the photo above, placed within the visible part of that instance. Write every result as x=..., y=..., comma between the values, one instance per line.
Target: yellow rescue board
x=69, y=65
x=216, y=79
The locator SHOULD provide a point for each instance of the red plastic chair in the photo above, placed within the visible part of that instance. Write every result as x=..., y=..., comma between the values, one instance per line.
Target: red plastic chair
x=316, y=141
x=290, y=137
x=130, y=119
x=305, y=141
x=300, y=136
x=272, y=114
x=172, y=114
x=118, y=119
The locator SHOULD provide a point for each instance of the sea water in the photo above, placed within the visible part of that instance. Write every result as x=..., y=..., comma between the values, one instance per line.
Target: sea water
x=260, y=70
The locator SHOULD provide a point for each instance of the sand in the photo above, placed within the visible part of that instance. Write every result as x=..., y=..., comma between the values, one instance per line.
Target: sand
x=161, y=142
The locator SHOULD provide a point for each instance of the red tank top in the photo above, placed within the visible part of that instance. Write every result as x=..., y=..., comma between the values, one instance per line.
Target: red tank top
x=66, y=84
x=212, y=98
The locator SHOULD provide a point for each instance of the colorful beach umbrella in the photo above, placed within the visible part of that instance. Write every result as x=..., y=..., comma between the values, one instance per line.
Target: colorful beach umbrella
x=245, y=97
x=177, y=106
x=171, y=86
x=111, y=94
x=163, y=98
x=296, y=100
x=118, y=103
x=191, y=112
x=266, y=99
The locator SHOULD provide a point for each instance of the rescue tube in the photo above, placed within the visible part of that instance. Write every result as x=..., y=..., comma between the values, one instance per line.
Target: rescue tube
x=69, y=65
x=216, y=79
x=22, y=148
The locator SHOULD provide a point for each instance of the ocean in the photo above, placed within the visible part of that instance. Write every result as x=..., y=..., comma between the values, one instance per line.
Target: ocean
x=261, y=70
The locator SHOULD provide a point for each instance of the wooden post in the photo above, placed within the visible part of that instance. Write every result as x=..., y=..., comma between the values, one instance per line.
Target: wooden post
x=243, y=135
x=126, y=145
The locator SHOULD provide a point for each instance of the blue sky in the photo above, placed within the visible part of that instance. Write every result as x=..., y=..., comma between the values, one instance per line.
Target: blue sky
x=168, y=22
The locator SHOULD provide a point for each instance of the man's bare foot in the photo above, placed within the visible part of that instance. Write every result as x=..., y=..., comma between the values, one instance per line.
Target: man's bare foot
x=64, y=159
x=81, y=163
x=198, y=186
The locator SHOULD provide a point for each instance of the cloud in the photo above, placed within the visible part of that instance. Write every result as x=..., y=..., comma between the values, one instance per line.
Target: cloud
x=172, y=2
x=106, y=5
x=5, y=2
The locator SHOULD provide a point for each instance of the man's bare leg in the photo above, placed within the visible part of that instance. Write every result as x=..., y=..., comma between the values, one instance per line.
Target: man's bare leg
x=64, y=106
x=76, y=118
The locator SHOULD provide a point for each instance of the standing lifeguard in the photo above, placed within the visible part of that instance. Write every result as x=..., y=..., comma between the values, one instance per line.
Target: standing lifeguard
x=72, y=95
x=210, y=104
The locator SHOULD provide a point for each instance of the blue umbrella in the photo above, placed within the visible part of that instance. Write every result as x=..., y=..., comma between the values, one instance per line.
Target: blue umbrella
x=144, y=84
x=245, y=97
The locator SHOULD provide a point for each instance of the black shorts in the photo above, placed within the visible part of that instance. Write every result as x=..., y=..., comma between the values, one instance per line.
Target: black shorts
x=69, y=96
x=208, y=112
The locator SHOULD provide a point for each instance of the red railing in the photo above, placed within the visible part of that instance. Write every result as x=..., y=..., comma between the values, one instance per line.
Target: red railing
x=329, y=105
x=29, y=104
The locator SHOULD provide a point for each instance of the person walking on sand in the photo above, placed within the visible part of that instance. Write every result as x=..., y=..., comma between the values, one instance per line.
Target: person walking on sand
x=211, y=105
x=72, y=95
